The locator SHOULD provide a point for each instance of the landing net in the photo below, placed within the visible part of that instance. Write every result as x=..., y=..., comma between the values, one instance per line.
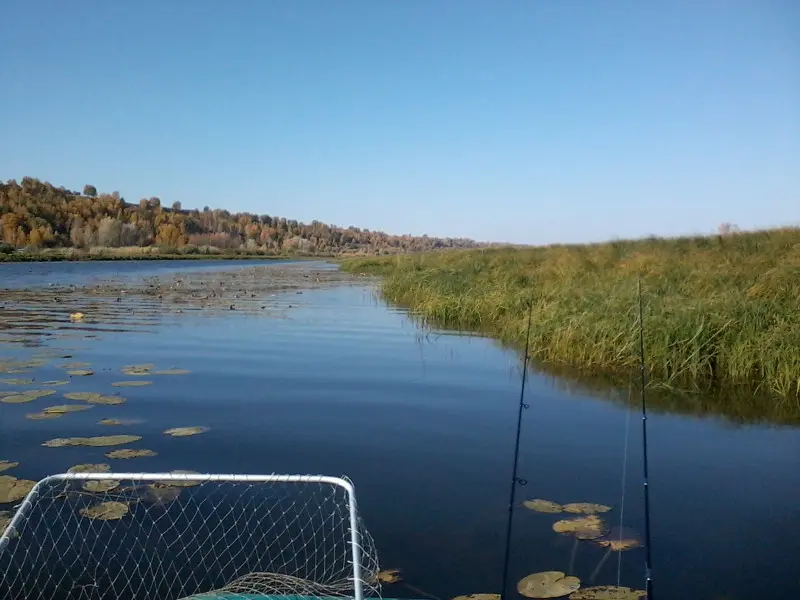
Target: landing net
x=165, y=536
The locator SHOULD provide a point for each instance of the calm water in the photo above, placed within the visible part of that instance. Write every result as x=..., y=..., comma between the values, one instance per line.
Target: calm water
x=424, y=423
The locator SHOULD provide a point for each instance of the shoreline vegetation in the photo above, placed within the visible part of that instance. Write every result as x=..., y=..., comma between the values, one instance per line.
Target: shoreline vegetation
x=41, y=222
x=720, y=312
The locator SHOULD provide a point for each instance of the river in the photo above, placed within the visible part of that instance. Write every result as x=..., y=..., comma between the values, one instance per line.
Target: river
x=329, y=379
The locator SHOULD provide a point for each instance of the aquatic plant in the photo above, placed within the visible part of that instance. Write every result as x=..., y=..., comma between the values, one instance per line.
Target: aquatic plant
x=548, y=584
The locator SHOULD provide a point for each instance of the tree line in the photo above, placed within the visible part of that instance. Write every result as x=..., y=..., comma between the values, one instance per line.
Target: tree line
x=36, y=214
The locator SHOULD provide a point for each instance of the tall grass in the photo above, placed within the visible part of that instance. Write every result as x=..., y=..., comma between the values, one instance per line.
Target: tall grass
x=721, y=309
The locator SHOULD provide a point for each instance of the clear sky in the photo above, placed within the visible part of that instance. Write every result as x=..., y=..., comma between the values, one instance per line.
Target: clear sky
x=533, y=121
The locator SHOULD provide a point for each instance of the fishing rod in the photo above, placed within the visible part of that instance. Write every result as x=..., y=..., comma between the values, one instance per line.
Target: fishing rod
x=643, y=382
x=515, y=479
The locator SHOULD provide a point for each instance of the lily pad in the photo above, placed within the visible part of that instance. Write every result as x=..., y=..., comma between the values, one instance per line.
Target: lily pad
x=185, y=431
x=90, y=468
x=13, y=489
x=586, y=508
x=548, y=584
x=620, y=539
x=389, y=576
x=172, y=372
x=94, y=398
x=16, y=381
x=106, y=511
x=478, y=597
x=82, y=396
x=100, y=486
x=160, y=495
x=75, y=365
x=543, y=506
x=56, y=382
x=607, y=592
x=178, y=482
x=103, y=440
x=5, y=521
x=138, y=370
x=590, y=527
x=131, y=383
x=131, y=453
x=5, y=465
x=41, y=416
x=109, y=422
x=80, y=372
x=27, y=396
x=65, y=408
x=76, y=316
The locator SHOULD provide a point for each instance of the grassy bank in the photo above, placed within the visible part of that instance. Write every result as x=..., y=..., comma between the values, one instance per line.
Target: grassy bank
x=718, y=310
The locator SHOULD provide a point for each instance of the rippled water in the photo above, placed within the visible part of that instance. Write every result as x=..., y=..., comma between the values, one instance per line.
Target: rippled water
x=333, y=381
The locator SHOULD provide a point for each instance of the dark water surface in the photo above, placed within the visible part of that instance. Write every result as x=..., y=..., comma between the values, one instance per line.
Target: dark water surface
x=424, y=424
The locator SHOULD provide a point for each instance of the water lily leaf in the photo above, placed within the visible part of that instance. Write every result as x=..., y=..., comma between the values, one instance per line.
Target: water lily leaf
x=103, y=440
x=5, y=521
x=160, y=495
x=543, y=506
x=80, y=372
x=27, y=396
x=131, y=383
x=13, y=489
x=16, y=381
x=590, y=527
x=130, y=453
x=76, y=316
x=41, y=416
x=185, y=431
x=75, y=365
x=172, y=372
x=5, y=465
x=109, y=422
x=65, y=408
x=100, y=486
x=56, y=382
x=389, y=576
x=106, y=511
x=548, y=584
x=607, y=592
x=178, y=483
x=478, y=597
x=586, y=508
x=618, y=545
x=138, y=370
x=90, y=468
x=94, y=398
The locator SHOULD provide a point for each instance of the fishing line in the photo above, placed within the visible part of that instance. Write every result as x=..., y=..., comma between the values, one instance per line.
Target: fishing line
x=624, y=480
x=515, y=479
x=643, y=382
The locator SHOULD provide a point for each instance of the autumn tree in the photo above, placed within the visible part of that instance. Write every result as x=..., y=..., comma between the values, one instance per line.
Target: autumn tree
x=90, y=190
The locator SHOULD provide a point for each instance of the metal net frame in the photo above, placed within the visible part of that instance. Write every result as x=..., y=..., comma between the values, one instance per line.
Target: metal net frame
x=165, y=536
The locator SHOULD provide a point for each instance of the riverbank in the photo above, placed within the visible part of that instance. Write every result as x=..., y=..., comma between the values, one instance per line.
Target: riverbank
x=145, y=253
x=718, y=310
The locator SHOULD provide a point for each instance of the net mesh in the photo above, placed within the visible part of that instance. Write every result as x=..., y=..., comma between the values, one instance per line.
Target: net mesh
x=107, y=536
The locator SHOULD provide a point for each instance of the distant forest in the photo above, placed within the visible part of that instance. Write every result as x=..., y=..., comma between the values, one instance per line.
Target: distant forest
x=37, y=215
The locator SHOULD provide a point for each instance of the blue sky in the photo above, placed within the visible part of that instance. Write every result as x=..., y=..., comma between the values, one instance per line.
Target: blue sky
x=531, y=121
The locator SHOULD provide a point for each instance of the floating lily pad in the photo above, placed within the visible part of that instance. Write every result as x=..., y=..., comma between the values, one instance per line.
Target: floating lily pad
x=77, y=316
x=90, y=468
x=109, y=422
x=478, y=597
x=130, y=453
x=548, y=584
x=27, y=396
x=106, y=511
x=103, y=440
x=13, y=489
x=56, y=382
x=80, y=372
x=131, y=383
x=160, y=495
x=389, y=576
x=172, y=372
x=5, y=521
x=590, y=527
x=620, y=539
x=178, y=482
x=41, y=416
x=16, y=381
x=586, y=508
x=543, y=506
x=66, y=408
x=607, y=592
x=75, y=365
x=138, y=370
x=100, y=486
x=94, y=398
x=620, y=545
x=5, y=465
x=185, y=431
